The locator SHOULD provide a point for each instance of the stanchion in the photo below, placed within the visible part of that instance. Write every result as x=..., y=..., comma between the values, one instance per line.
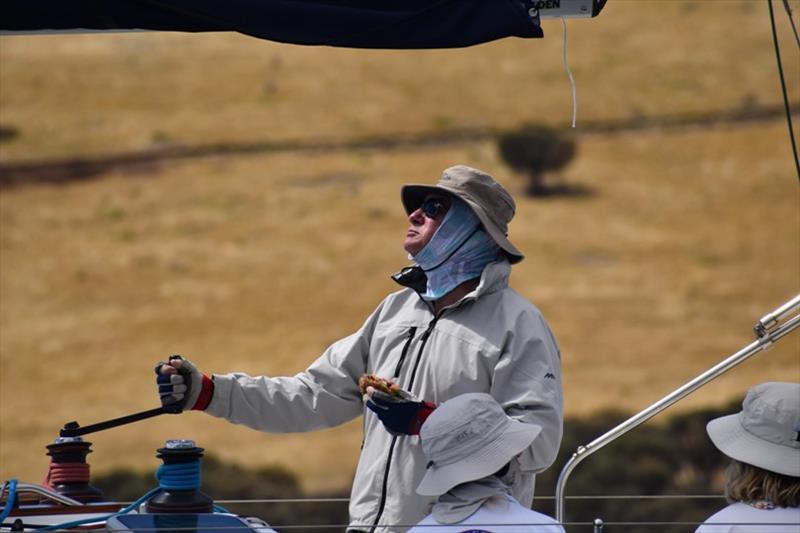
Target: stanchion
x=768, y=331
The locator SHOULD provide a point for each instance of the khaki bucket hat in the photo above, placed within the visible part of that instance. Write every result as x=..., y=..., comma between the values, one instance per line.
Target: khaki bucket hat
x=493, y=205
x=766, y=433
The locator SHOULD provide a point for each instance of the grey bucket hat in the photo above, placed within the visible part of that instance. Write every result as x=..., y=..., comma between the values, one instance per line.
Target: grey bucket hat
x=488, y=199
x=766, y=433
x=469, y=437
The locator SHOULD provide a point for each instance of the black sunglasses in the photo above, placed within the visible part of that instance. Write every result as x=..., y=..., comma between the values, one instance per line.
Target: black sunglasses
x=432, y=207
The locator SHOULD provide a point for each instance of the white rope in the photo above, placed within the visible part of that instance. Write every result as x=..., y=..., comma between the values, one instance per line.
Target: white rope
x=569, y=73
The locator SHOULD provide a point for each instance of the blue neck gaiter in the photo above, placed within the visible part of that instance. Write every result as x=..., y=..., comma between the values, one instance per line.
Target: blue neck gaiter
x=457, y=252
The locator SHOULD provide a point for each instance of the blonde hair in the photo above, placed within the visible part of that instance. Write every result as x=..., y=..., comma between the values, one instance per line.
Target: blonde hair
x=747, y=483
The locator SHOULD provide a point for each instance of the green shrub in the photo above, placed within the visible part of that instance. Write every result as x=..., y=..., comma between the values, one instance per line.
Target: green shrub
x=534, y=151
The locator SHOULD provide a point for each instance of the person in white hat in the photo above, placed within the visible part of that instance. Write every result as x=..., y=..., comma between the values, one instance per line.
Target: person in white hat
x=763, y=479
x=470, y=443
x=456, y=326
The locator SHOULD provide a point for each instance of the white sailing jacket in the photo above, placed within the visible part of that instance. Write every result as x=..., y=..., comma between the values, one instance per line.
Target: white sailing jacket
x=492, y=340
x=506, y=516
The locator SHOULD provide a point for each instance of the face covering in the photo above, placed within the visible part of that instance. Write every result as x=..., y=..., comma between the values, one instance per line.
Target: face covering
x=457, y=252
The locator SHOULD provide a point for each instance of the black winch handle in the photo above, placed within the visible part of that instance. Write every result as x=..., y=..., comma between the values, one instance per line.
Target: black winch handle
x=73, y=429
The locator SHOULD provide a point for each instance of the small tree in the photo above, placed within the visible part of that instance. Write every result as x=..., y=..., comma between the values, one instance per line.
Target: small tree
x=536, y=150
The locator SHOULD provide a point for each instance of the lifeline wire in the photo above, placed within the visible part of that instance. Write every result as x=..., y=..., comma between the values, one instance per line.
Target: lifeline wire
x=569, y=73
x=783, y=87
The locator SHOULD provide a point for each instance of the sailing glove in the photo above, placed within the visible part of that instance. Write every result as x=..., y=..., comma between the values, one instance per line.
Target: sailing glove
x=400, y=415
x=183, y=388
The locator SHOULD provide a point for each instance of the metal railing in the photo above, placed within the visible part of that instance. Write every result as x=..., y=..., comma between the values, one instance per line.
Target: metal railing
x=771, y=328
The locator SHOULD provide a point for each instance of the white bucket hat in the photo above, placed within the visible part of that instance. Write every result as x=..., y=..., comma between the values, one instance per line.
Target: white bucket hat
x=766, y=433
x=469, y=437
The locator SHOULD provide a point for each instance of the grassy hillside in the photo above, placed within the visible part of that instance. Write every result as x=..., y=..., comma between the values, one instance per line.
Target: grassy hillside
x=94, y=94
x=256, y=263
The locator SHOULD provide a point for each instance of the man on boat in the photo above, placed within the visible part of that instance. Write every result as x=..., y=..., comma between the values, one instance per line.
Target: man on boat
x=455, y=327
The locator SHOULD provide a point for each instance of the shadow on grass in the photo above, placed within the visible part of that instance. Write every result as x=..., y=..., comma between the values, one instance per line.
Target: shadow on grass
x=78, y=169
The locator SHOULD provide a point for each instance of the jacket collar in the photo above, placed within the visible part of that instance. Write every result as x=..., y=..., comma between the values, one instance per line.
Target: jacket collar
x=493, y=278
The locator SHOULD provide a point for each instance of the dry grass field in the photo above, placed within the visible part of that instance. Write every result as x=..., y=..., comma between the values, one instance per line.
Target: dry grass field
x=257, y=262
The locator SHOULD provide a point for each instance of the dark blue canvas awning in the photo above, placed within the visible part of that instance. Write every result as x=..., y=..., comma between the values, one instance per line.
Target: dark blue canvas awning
x=349, y=23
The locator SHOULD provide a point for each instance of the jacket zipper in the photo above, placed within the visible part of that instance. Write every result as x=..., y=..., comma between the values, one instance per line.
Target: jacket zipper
x=423, y=339
x=411, y=333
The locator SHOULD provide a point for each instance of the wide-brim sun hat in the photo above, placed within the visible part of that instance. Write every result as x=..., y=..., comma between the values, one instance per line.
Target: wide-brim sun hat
x=468, y=438
x=493, y=205
x=765, y=433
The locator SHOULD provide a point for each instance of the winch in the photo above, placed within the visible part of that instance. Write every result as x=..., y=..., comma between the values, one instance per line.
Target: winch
x=179, y=479
x=68, y=500
x=69, y=473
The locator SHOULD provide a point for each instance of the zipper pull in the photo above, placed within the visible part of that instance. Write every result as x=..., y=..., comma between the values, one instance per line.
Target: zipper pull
x=430, y=329
x=410, y=338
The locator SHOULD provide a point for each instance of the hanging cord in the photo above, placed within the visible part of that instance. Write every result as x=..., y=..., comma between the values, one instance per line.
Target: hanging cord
x=791, y=21
x=783, y=87
x=569, y=73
